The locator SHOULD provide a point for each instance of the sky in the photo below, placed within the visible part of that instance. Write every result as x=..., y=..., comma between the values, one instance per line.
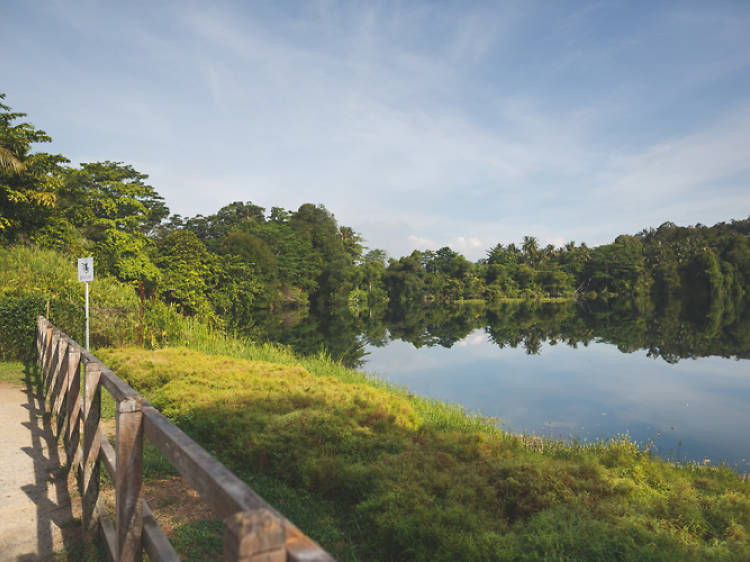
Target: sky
x=418, y=124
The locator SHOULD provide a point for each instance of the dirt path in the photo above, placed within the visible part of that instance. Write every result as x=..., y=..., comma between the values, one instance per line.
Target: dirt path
x=36, y=512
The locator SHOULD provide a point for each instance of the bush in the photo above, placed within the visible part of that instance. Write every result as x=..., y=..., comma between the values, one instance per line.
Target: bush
x=31, y=277
x=18, y=326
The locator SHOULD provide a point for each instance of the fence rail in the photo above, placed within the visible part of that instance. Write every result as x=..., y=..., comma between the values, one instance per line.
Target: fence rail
x=253, y=530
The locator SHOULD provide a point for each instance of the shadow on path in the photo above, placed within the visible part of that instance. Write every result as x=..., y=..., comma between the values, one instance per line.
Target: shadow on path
x=42, y=518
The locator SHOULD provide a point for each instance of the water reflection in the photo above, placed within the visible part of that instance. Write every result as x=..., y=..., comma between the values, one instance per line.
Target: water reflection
x=561, y=368
x=691, y=411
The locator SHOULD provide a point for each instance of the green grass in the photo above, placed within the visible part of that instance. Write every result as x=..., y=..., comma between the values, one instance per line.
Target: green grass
x=109, y=406
x=156, y=465
x=199, y=541
x=374, y=473
x=13, y=372
x=200, y=337
x=24, y=373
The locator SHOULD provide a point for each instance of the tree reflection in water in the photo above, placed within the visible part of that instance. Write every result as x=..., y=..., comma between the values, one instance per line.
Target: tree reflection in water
x=669, y=329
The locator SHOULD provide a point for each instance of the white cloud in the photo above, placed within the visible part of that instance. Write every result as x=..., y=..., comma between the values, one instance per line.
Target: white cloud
x=473, y=339
x=467, y=245
x=419, y=126
x=679, y=166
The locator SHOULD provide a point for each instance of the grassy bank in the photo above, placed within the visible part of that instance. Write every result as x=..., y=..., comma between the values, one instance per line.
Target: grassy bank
x=374, y=473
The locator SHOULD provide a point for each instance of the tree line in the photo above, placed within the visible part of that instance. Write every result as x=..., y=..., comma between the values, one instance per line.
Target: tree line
x=243, y=259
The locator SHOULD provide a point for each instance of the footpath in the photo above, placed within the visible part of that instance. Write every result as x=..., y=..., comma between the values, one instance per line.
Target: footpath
x=36, y=511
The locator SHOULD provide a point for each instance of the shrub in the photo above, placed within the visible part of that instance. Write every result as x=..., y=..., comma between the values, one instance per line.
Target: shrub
x=18, y=326
x=32, y=277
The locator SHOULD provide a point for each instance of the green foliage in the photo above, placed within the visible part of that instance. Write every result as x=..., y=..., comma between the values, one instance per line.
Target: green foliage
x=261, y=270
x=102, y=196
x=112, y=207
x=187, y=267
x=230, y=265
x=411, y=482
x=31, y=277
x=126, y=256
x=60, y=235
x=28, y=181
x=18, y=326
x=287, y=258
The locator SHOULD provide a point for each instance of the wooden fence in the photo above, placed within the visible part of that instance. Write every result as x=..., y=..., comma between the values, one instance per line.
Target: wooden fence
x=253, y=530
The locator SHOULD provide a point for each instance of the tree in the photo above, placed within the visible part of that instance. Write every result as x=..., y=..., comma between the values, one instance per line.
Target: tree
x=110, y=203
x=254, y=252
x=405, y=279
x=101, y=196
x=28, y=181
x=351, y=241
x=375, y=256
x=9, y=162
x=530, y=248
x=236, y=292
x=372, y=271
x=127, y=256
x=186, y=268
x=330, y=265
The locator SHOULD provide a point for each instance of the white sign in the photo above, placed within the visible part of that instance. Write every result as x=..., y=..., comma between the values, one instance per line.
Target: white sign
x=85, y=269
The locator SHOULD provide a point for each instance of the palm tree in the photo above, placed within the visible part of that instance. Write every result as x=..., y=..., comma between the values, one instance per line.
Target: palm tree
x=529, y=247
x=9, y=162
x=513, y=251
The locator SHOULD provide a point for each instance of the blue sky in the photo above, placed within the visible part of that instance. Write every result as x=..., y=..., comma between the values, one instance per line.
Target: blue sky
x=418, y=124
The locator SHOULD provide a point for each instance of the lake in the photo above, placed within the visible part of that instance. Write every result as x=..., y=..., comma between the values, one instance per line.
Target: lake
x=672, y=375
x=694, y=410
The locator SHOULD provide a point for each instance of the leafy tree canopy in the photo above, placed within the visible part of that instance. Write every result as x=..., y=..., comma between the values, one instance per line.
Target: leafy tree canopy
x=28, y=181
x=100, y=196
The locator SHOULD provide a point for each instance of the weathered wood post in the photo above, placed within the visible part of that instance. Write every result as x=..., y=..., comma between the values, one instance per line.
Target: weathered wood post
x=89, y=483
x=72, y=436
x=254, y=536
x=128, y=479
x=47, y=351
x=51, y=368
x=40, y=331
x=60, y=385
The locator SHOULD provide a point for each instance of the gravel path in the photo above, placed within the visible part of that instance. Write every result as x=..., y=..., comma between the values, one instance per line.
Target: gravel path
x=35, y=507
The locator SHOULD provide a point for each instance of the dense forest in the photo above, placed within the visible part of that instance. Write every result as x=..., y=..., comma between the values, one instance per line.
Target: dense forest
x=232, y=266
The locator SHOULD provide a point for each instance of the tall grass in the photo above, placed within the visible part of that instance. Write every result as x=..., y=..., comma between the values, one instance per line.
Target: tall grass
x=199, y=336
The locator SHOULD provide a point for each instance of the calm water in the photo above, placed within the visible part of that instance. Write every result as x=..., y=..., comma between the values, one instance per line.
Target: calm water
x=673, y=373
x=694, y=409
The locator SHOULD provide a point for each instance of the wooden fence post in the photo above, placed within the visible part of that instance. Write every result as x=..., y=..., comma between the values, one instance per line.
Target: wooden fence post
x=60, y=391
x=128, y=479
x=73, y=407
x=89, y=479
x=254, y=536
x=51, y=367
x=47, y=351
x=40, y=331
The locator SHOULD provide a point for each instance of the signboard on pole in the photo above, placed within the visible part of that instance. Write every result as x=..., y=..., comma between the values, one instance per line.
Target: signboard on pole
x=86, y=274
x=85, y=269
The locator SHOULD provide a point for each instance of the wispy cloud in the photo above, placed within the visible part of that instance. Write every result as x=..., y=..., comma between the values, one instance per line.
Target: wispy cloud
x=420, y=125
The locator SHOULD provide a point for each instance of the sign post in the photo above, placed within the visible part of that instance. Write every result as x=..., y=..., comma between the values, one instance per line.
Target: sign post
x=86, y=274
